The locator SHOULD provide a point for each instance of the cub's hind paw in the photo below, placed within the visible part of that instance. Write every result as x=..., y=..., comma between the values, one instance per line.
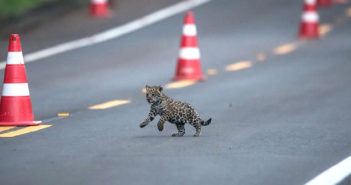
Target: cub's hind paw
x=177, y=135
x=196, y=135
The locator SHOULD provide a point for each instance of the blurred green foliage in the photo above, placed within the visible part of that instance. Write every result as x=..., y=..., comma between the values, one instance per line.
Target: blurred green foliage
x=14, y=8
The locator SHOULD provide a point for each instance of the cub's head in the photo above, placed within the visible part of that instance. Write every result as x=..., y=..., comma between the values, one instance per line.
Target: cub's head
x=153, y=93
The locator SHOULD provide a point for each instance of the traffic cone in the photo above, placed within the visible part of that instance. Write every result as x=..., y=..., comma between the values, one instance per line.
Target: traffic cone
x=188, y=66
x=310, y=21
x=99, y=8
x=15, y=105
x=324, y=3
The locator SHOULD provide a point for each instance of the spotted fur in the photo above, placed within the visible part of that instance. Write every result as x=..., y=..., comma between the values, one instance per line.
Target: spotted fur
x=176, y=112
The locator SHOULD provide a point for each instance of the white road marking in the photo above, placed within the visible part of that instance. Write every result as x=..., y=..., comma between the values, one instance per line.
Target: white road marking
x=333, y=175
x=112, y=33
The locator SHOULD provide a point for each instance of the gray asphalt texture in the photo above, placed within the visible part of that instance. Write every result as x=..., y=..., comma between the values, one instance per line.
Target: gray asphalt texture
x=282, y=121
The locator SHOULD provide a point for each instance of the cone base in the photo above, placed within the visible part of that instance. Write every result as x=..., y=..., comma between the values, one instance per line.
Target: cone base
x=188, y=69
x=324, y=3
x=21, y=123
x=99, y=10
x=309, y=31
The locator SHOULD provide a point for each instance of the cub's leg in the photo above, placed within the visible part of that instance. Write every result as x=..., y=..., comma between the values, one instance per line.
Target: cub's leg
x=181, y=130
x=197, y=124
x=161, y=122
x=149, y=118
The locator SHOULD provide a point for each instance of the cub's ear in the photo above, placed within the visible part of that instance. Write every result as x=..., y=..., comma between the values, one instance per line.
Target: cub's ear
x=160, y=88
x=147, y=87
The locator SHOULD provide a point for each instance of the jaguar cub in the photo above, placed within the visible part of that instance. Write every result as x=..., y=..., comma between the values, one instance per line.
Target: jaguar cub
x=173, y=111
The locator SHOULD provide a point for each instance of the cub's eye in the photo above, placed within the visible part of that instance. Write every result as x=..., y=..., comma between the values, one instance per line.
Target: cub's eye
x=152, y=94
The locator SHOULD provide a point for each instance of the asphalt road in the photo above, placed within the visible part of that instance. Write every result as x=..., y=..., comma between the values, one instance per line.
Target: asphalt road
x=283, y=120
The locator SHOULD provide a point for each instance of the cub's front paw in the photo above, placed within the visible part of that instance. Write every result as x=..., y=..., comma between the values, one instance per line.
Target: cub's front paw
x=143, y=124
x=160, y=127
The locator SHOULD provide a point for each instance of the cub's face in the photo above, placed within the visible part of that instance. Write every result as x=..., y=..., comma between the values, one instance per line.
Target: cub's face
x=153, y=93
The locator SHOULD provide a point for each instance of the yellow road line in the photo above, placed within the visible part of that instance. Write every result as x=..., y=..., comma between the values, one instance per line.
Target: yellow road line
x=109, y=104
x=324, y=29
x=211, y=72
x=284, y=49
x=25, y=130
x=261, y=57
x=62, y=114
x=238, y=66
x=6, y=128
x=180, y=84
x=348, y=12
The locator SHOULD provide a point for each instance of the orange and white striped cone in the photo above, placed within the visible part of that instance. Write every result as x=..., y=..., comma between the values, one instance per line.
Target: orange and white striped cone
x=324, y=3
x=188, y=66
x=99, y=8
x=309, y=27
x=15, y=105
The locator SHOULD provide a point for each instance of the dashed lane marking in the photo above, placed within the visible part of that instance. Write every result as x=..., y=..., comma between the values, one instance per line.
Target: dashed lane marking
x=348, y=12
x=238, y=66
x=109, y=104
x=180, y=84
x=324, y=29
x=113, y=32
x=261, y=57
x=211, y=72
x=333, y=175
x=285, y=49
x=62, y=114
x=25, y=130
x=4, y=128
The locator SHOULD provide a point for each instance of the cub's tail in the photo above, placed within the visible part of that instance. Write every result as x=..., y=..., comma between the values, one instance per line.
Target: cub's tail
x=203, y=123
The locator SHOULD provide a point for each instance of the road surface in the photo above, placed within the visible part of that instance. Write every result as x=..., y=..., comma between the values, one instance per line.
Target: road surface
x=281, y=115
